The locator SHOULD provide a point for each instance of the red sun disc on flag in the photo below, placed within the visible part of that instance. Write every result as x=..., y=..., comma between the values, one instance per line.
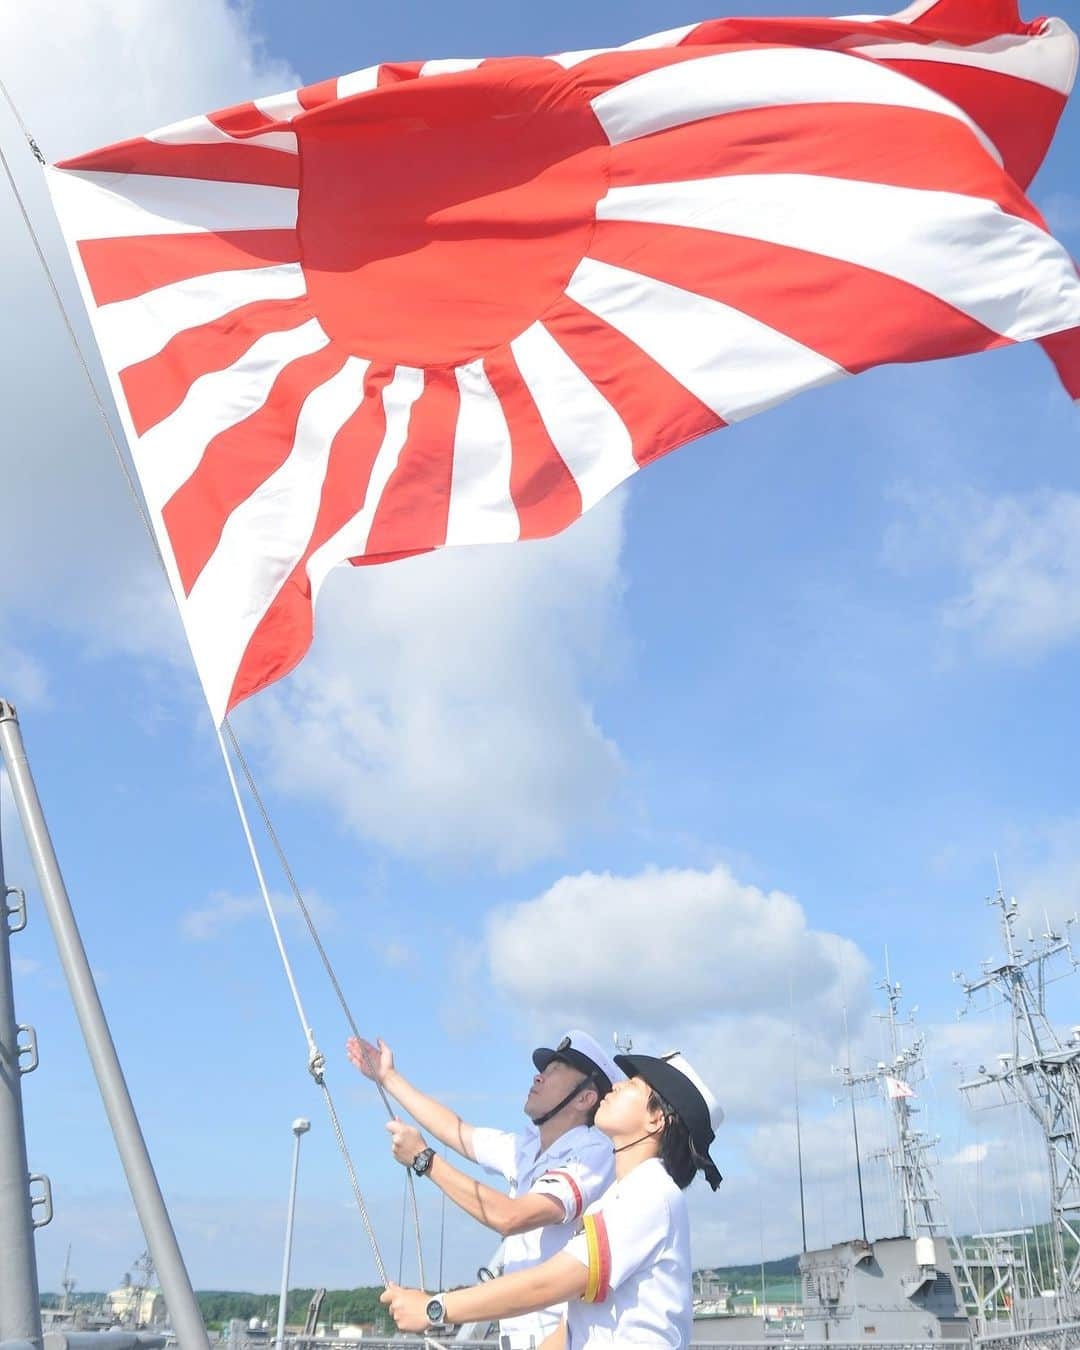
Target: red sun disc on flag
x=438, y=220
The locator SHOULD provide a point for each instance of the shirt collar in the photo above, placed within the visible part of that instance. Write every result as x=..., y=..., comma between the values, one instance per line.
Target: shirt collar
x=569, y=1142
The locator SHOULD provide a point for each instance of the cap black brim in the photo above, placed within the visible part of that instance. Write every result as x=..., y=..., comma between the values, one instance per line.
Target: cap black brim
x=584, y=1065
x=683, y=1097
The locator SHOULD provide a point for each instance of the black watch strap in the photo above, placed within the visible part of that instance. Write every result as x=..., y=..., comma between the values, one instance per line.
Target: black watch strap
x=421, y=1164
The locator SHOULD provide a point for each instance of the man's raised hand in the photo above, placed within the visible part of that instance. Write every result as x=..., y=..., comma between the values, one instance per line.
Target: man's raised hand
x=373, y=1061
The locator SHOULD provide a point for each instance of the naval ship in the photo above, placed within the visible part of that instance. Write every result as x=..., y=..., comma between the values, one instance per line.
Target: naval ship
x=1007, y=1289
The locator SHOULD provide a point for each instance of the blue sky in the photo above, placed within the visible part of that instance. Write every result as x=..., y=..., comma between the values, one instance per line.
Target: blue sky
x=784, y=697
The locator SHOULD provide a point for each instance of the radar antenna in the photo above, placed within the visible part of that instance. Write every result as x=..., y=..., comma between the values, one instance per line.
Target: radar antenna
x=1041, y=1071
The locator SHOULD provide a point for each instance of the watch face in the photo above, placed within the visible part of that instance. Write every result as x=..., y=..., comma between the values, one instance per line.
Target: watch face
x=434, y=1311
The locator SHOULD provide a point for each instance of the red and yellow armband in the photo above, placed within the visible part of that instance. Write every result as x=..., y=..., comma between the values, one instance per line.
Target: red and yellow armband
x=599, y=1281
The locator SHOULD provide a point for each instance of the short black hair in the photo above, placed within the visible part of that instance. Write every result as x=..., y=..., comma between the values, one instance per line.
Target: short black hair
x=677, y=1153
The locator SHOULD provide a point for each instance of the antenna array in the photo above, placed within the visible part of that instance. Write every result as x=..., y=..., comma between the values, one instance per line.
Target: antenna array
x=1041, y=1071
x=921, y=1211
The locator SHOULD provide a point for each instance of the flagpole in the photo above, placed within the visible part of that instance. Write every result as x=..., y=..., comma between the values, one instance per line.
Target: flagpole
x=798, y=1150
x=798, y=1113
x=855, y=1130
x=20, y=1317
x=145, y=1192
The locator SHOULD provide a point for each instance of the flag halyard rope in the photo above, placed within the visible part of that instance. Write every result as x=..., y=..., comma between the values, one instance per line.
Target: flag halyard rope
x=283, y=861
x=316, y=1060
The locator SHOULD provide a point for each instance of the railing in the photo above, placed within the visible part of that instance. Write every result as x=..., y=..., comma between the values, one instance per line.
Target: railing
x=369, y=1342
x=800, y=1344
x=1064, y=1337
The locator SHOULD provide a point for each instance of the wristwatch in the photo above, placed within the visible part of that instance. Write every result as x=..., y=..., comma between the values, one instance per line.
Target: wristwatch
x=421, y=1164
x=435, y=1312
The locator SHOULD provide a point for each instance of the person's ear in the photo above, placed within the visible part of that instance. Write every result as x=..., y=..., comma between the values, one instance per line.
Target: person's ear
x=589, y=1099
x=655, y=1121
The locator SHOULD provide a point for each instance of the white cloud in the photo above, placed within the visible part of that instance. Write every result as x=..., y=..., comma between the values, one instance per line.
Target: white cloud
x=71, y=533
x=394, y=954
x=442, y=709
x=655, y=943
x=969, y=1156
x=1018, y=557
x=157, y=61
x=463, y=1011
x=217, y=916
x=224, y=911
x=25, y=680
x=1044, y=873
x=956, y=1049
x=687, y=957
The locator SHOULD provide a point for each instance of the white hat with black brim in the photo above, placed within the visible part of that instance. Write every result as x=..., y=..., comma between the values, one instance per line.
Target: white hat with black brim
x=584, y=1053
x=588, y=1056
x=685, y=1091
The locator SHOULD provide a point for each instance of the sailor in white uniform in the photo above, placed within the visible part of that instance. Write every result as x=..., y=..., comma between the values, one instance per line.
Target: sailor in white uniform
x=627, y=1275
x=556, y=1167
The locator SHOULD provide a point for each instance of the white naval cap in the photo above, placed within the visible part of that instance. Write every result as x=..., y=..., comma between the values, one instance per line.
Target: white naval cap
x=678, y=1060
x=583, y=1052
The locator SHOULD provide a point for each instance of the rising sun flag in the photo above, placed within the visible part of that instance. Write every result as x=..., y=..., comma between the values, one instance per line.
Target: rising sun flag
x=459, y=301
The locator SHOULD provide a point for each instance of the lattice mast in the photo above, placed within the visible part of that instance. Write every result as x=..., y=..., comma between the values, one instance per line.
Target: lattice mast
x=67, y=1284
x=921, y=1212
x=1041, y=1071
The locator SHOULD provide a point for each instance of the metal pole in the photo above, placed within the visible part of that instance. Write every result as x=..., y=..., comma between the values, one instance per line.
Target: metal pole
x=798, y=1114
x=858, y=1165
x=20, y=1315
x=145, y=1191
x=299, y=1127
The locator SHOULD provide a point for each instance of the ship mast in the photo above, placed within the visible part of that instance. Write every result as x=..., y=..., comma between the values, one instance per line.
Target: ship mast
x=921, y=1212
x=67, y=1284
x=1042, y=1072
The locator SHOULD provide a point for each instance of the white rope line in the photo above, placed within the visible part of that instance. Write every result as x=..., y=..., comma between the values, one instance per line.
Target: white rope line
x=314, y=1053
x=335, y=1125
x=268, y=825
x=22, y=125
x=316, y=1060
x=99, y=403
x=140, y=505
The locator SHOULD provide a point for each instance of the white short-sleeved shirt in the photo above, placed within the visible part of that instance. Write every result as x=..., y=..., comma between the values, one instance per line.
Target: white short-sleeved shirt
x=636, y=1245
x=576, y=1170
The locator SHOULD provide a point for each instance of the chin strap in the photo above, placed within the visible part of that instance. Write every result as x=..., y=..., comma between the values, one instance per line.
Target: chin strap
x=633, y=1144
x=587, y=1081
x=706, y=1165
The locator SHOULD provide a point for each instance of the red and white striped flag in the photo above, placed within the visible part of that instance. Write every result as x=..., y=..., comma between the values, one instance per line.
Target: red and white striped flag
x=458, y=302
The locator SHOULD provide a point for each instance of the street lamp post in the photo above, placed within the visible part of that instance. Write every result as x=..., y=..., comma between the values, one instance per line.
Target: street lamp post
x=299, y=1127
